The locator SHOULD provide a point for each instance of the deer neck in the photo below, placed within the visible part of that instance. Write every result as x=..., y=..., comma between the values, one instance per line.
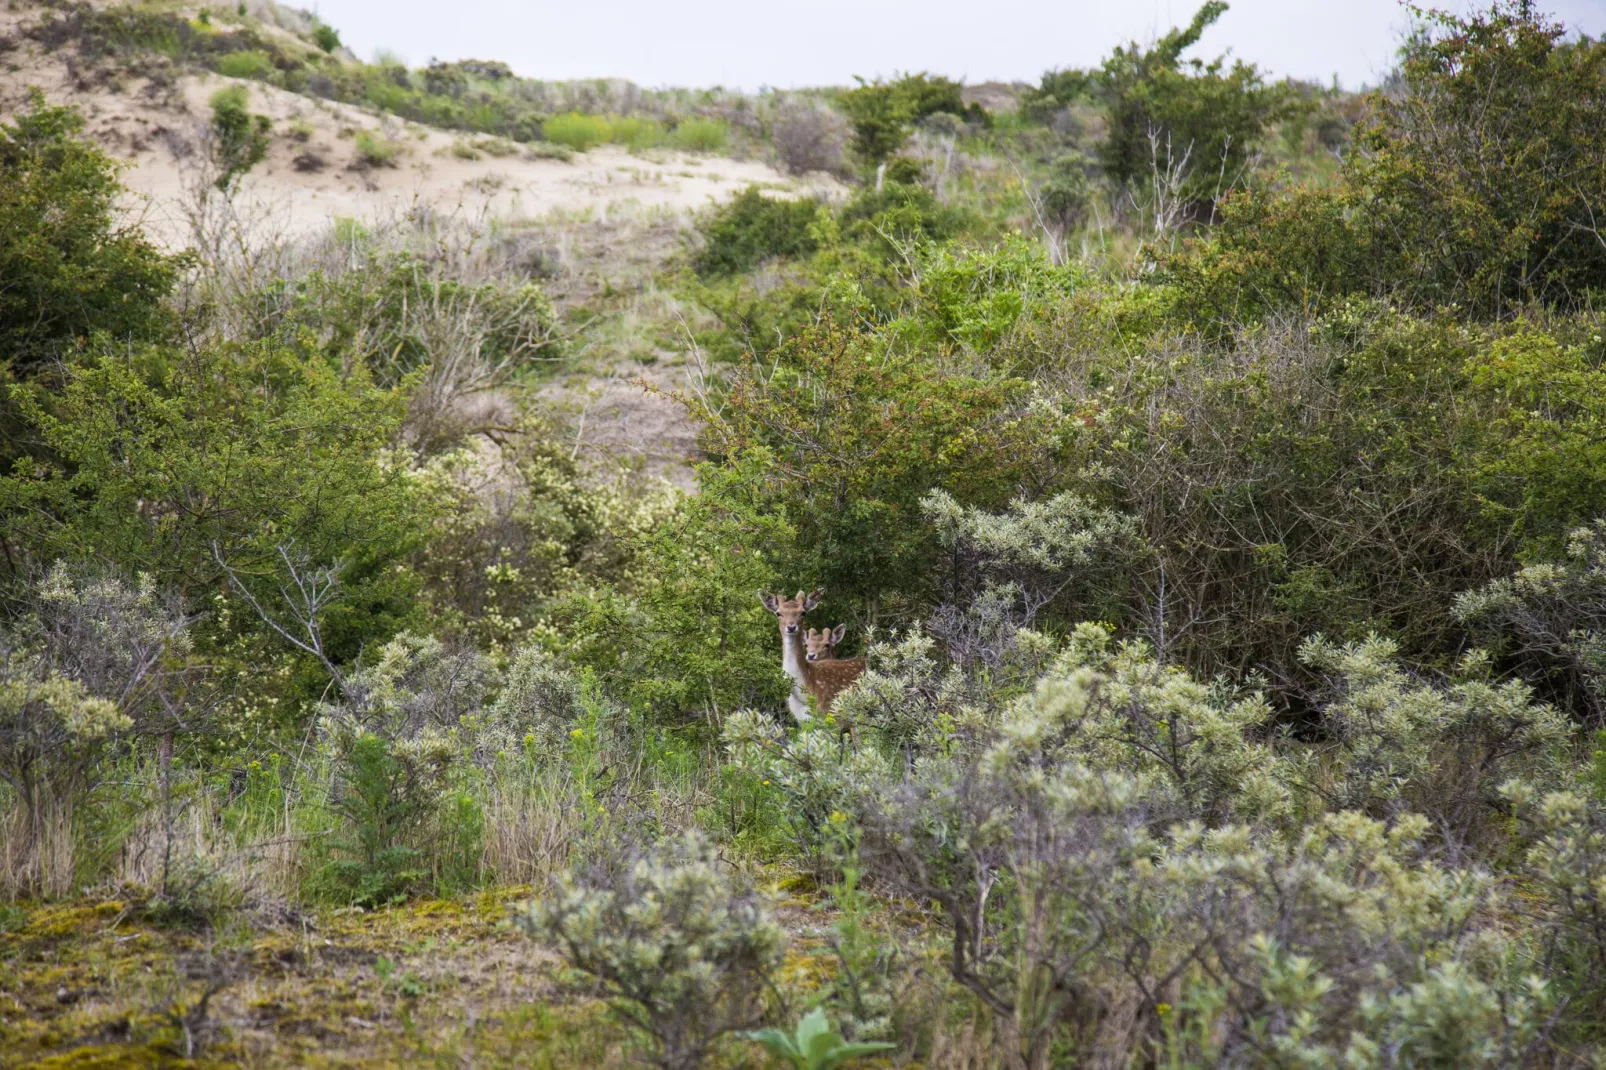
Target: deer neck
x=795, y=665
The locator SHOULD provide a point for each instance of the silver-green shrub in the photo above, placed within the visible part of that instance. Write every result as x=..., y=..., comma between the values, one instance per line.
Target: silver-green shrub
x=1552, y=615
x=91, y=664
x=1443, y=750
x=684, y=951
x=1085, y=899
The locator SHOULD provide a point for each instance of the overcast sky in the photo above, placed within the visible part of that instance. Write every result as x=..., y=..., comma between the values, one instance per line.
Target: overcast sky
x=748, y=44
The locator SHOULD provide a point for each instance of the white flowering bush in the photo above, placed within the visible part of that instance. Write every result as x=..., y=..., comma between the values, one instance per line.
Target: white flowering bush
x=396, y=749
x=94, y=662
x=1001, y=571
x=1128, y=858
x=1321, y=950
x=684, y=951
x=1565, y=867
x=815, y=769
x=1552, y=617
x=1405, y=744
x=539, y=704
x=1206, y=749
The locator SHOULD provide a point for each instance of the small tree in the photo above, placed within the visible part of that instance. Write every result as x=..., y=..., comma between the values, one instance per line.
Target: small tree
x=1552, y=617
x=1210, y=115
x=881, y=119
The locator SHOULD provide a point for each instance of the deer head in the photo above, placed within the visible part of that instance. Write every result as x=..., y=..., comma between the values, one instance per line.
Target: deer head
x=821, y=644
x=790, y=610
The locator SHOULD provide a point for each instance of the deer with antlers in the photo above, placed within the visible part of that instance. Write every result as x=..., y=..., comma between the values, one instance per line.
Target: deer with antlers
x=808, y=657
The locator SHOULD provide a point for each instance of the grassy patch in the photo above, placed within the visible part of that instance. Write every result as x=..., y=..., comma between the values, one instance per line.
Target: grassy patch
x=249, y=64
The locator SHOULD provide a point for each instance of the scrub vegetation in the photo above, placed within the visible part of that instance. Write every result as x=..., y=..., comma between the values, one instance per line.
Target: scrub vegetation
x=1210, y=473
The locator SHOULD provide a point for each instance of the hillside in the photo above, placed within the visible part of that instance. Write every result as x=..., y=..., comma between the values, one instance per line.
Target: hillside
x=603, y=219
x=1106, y=571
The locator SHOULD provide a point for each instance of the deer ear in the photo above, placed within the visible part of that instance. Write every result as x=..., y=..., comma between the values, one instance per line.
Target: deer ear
x=836, y=636
x=813, y=599
x=768, y=600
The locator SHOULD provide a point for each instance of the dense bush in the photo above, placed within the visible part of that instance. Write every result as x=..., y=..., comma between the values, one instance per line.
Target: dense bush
x=1204, y=124
x=72, y=269
x=1473, y=189
x=882, y=113
x=208, y=483
x=751, y=228
x=1484, y=172
x=852, y=438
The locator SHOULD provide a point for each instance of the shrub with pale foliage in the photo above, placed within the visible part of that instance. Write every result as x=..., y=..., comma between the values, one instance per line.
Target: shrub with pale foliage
x=684, y=952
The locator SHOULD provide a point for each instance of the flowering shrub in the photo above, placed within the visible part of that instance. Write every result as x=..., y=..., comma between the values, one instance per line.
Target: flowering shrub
x=1442, y=751
x=396, y=750
x=683, y=951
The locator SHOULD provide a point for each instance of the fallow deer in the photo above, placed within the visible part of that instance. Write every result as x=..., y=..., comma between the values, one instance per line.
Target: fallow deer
x=805, y=678
x=828, y=675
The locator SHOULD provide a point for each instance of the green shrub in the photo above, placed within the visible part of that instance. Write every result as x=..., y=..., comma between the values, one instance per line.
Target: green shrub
x=828, y=400
x=325, y=37
x=813, y=1045
x=395, y=311
x=376, y=150
x=240, y=139
x=1067, y=193
x=683, y=952
x=72, y=270
x=1207, y=122
x=636, y=133
x=581, y=133
x=880, y=117
x=751, y=228
x=700, y=135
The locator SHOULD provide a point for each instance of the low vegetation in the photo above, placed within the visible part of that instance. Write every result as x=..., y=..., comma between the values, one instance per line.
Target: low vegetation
x=1191, y=486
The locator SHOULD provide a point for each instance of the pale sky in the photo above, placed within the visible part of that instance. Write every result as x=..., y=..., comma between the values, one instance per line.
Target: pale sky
x=748, y=44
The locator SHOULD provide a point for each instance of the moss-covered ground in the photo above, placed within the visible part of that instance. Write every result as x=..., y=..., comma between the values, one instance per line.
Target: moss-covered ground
x=102, y=982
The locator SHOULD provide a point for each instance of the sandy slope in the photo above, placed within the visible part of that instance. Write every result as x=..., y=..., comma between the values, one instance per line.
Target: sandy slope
x=612, y=217
x=161, y=131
